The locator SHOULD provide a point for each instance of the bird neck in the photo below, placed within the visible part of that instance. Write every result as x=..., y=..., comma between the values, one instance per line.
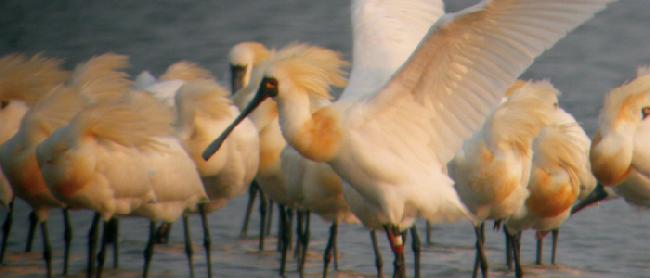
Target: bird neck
x=316, y=136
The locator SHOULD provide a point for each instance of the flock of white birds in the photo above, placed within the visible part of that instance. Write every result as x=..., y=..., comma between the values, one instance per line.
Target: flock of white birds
x=432, y=123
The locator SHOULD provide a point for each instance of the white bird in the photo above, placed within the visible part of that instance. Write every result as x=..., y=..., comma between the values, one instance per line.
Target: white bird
x=165, y=89
x=492, y=170
x=392, y=144
x=385, y=34
x=11, y=113
x=576, y=139
x=559, y=174
x=18, y=154
x=317, y=69
x=244, y=57
x=204, y=110
x=23, y=81
x=121, y=158
x=620, y=153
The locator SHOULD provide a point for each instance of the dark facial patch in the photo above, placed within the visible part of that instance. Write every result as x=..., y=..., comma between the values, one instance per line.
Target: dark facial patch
x=4, y=104
x=270, y=86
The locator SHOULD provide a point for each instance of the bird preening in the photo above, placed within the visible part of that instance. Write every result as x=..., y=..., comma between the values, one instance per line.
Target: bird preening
x=433, y=123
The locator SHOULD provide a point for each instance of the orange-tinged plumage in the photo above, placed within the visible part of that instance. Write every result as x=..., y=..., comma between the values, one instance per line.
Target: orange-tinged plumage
x=319, y=139
x=549, y=202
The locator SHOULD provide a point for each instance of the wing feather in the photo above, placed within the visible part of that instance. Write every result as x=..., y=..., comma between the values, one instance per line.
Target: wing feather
x=385, y=33
x=462, y=69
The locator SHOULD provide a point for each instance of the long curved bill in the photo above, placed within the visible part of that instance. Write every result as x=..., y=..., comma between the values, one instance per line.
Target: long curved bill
x=216, y=144
x=598, y=194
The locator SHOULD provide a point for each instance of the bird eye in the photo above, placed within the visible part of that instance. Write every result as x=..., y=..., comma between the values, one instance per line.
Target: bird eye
x=3, y=104
x=645, y=112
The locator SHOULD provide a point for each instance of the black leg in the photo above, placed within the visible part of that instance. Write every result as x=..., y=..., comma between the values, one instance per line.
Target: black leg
x=397, y=246
x=92, y=245
x=508, y=250
x=31, y=231
x=540, y=250
x=289, y=229
x=207, y=241
x=477, y=264
x=162, y=233
x=252, y=194
x=284, y=238
x=269, y=218
x=47, y=248
x=101, y=257
x=281, y=213
x=299, y=218
x=477, y=256
x=305, y=243
x=263, y=208
x=329, y=248
x=114, y=228
x=515, y=242
x=148, y=251
x=67, y=237
x=188, y=244
x=336, y=248
x=481, y=258
x=556, y=235
x=428, y=233
x=379, y=261
x=6, y=230
x=416, y=246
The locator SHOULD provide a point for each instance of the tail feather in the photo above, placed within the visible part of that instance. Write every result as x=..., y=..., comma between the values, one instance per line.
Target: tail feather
x=204, y=97
x=186, y=71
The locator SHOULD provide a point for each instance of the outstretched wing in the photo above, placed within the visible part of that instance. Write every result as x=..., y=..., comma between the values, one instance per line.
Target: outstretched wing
x=385, y=33
x=462, y=69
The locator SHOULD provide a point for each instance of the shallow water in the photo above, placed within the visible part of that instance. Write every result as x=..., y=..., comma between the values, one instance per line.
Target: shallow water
x=606, y=241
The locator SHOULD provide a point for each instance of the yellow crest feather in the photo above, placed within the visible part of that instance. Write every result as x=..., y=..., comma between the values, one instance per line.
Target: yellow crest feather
x=310, y=68
x=29, y=79
x=204, y=97
x=95, y=81
x=101, y=78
